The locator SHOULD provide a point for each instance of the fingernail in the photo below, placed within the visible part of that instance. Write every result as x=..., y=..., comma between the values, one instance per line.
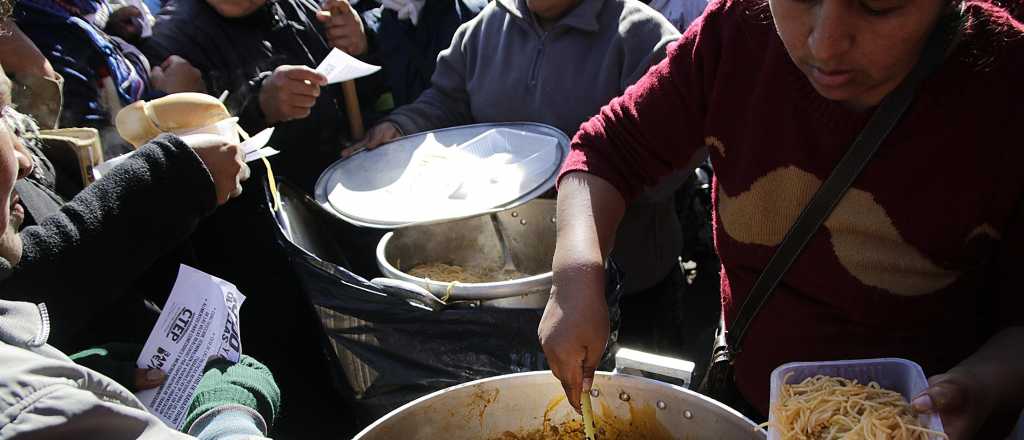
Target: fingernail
x=587, y=384
x=923, y=404
x=155, y=375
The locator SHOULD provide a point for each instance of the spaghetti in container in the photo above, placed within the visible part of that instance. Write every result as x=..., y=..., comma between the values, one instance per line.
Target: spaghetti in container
x=900, y=375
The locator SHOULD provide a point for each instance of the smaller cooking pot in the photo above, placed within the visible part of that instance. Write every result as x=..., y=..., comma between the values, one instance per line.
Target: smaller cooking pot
x=525, y=235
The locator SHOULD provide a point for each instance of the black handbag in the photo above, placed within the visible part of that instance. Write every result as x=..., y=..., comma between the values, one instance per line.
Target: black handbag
x=718, y=381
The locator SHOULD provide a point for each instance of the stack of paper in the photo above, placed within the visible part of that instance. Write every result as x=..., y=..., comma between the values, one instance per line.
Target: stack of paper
x=199, y=322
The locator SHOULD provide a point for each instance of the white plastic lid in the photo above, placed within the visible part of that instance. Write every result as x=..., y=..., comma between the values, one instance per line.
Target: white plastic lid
x=444, y=174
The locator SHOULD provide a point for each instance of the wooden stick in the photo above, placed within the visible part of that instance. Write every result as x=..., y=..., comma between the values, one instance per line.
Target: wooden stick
x=348, y=88
x=589, y=429
x=355, y=117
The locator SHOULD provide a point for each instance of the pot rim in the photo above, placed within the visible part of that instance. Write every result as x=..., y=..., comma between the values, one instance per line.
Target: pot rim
x=621, y=379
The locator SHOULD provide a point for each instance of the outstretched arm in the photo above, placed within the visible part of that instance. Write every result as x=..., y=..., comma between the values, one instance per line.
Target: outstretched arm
x=651, y=131
x=79, y=260
x=574, y=328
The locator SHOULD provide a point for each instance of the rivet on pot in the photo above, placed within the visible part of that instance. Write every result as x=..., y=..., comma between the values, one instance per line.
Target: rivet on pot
x=688, y=414
x=515, y=213
x=594, y=392
x=624, y=396
x=522, y=222
x=662, y=405
x=552, y=219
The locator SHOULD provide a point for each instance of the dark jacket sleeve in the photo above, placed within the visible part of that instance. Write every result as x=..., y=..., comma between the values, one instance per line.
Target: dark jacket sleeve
x=247, y=98
x=78, y=260
x=409, y=52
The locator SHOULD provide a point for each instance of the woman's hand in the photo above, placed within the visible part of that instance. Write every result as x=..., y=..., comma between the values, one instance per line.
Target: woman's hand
x=960, y=399
x=990, y=382
x=574, y=328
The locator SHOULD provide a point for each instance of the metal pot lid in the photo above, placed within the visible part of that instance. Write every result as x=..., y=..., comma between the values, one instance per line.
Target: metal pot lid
x=444, y=175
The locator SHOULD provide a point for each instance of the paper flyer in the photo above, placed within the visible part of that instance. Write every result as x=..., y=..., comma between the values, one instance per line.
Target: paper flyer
x=198, y=323
x=339, y=66
x=255, y=147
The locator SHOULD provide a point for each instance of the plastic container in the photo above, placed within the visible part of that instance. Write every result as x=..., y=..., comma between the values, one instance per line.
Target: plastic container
x=900, y=375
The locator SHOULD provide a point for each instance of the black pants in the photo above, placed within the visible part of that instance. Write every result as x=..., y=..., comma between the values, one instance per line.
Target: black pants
x=675, y=317
x=736, y=401
x=652, y=319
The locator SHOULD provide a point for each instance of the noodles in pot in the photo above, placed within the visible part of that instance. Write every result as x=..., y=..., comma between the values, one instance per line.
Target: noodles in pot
x=453, y=273
x=641, y=424
x=832, y=408
x=573, y=430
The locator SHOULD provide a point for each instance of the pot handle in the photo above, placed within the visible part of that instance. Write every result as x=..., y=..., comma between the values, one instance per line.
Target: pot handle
x=409, y=292
x=638, y=363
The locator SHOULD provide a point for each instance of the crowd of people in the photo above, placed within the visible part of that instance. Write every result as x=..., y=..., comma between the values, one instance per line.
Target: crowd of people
x=912, y=263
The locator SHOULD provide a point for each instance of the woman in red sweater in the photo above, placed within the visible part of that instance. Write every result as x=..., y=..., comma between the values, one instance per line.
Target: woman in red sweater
x=917, y=261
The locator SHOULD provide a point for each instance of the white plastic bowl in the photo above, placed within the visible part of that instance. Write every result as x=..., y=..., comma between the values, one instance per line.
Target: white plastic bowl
x=900, y=375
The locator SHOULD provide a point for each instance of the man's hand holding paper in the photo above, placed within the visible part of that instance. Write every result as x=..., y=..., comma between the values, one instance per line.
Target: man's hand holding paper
x=290, y=93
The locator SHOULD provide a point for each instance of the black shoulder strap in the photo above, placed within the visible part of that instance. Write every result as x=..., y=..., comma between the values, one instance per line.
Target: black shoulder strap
x=850, y=166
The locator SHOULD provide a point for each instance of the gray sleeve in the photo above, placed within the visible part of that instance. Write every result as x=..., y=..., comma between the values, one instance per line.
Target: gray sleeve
x=446, y=102
x=46, y=398
x=645, y=36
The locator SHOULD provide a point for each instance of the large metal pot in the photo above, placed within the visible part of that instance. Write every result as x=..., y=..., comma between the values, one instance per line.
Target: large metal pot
x=514, y=405
x=529, y=238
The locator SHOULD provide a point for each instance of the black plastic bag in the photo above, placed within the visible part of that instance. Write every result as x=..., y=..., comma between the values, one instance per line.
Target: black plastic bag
x=386, y=351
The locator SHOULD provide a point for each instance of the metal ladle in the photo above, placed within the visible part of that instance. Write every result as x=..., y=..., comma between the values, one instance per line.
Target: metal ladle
x=506, y=252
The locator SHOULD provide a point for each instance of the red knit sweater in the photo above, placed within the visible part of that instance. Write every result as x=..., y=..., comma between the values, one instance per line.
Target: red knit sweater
x=918, y=260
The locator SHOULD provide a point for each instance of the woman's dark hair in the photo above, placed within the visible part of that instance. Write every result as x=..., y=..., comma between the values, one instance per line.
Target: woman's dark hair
x=761, y=12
